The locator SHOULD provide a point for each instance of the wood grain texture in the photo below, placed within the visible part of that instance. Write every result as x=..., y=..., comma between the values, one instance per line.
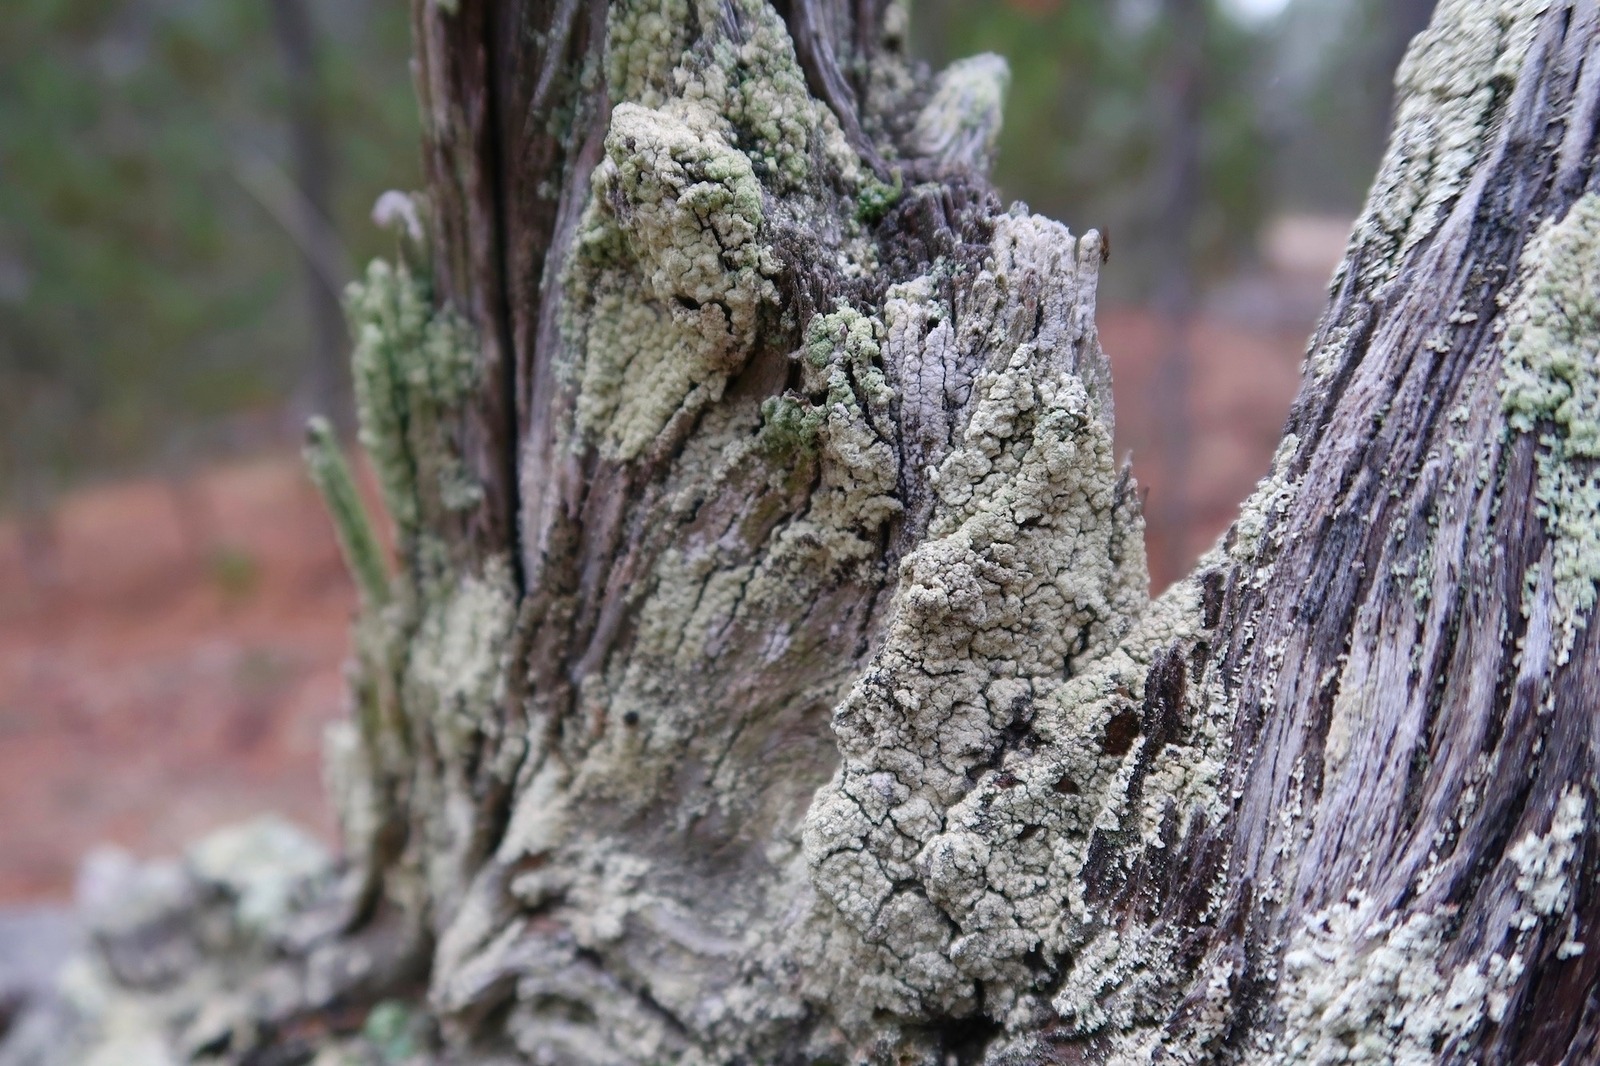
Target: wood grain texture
x=788, y=692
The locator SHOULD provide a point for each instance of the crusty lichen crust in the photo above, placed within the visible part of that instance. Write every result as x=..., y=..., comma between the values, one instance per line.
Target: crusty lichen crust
x=959, y=414
x=671, y=276
x=916, y=521
x=1031, y=570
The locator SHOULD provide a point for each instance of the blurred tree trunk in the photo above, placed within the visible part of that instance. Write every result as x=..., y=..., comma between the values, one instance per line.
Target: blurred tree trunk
x=328, y=383
x=1181, y=185
x=1399, y=21
x=1386, y=30
x=770, y=677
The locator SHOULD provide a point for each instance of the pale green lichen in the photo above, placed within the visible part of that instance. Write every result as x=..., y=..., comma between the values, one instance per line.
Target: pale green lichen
x=1361, y=985
x=363, y=553
x=670, y=261
x=350, y=776
x=671, y=268
x=973, y=449
x=670, y=292
x=453, y=687
x=457, y=662
x=1456, y=74
x=842, y=413
x=746, y=81
x=758, y=85
x=1551, y=387
x=176, y=950
x=1042, y=809
x=1253, y=535
x=645, y=42
x=828, y=478
x=1027, y=576
x=413, y=367
x=676, y=274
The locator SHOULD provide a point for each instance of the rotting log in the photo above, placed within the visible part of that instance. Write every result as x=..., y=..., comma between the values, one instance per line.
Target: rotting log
x=769, y=674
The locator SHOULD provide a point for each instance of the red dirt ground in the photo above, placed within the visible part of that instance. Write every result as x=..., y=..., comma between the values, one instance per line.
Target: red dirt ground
x=169, y=660
x=172, y=674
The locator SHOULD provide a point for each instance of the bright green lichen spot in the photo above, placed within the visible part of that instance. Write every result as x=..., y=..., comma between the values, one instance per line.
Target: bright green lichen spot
x=840, y=373
x=789, y=426
x=1552, y=387
x=843, y=346
x=389, y=1028
x=877, y=197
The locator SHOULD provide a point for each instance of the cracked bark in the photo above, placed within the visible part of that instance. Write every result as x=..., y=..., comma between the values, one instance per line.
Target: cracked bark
x=770, y=678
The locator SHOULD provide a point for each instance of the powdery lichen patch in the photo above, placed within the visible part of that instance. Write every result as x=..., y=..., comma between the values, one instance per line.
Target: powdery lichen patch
x=1362, y=984
x=1461, y=69
x=1552, y=388
x=1543, y=861
x=1360, y=987
x=678, y=276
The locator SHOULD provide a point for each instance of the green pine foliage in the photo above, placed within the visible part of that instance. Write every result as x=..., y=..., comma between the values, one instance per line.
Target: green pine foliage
x=150, y=301
x=1085, y=116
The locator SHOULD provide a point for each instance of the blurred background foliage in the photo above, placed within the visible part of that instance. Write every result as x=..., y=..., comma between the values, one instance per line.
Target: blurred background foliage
x=155, y=259
x=1093, y=90
x=1287, y=104
x=151, y=305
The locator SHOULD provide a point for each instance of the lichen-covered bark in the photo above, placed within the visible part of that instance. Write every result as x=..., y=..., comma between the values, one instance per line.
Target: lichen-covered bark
x=1413, y=672
x=769, y=676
